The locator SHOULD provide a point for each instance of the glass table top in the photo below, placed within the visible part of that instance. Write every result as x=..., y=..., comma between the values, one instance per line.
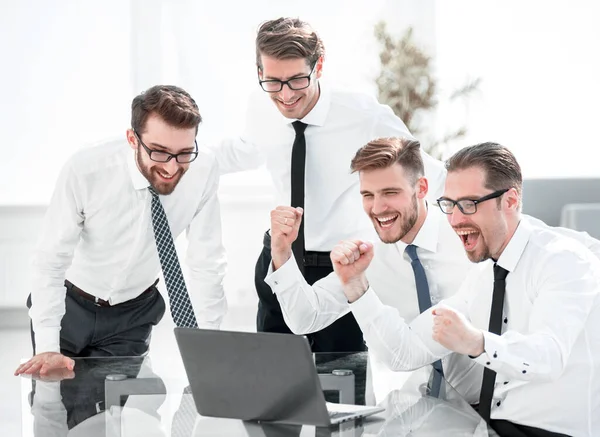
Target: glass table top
x=129, y=396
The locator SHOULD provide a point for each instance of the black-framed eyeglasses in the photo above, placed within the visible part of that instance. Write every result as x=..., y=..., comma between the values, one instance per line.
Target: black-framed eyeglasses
x=295, y=83
x=160, y=156
x=467, y=206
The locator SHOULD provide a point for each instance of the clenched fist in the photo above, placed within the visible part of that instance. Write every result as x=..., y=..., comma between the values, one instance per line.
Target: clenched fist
x=285, y=223
x=453, y=331
x=350, y=259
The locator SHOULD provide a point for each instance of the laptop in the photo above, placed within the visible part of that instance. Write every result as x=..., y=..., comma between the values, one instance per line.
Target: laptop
x=262, y=377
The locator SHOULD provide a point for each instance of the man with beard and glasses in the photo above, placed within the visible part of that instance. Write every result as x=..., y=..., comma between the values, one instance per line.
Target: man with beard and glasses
x=306, y=131
x=109, y=230
x=528, y=313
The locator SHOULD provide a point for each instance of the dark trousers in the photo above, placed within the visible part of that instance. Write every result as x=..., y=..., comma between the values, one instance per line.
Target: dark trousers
x=344, y=335
x=88, y=330
x=505, y=428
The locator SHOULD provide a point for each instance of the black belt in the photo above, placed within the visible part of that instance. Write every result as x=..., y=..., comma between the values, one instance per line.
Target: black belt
x=97, y=301
x=311, y=258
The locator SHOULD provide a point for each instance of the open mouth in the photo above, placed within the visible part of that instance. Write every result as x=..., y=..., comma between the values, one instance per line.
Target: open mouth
x=469, y=237
x=386, y=221
x=290, y=103
x=165, y=176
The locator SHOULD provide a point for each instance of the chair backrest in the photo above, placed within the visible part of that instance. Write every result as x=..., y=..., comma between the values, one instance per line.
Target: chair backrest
x=545, y=198
x=582, y=217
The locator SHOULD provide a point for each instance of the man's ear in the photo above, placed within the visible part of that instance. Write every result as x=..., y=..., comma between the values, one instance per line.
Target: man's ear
x=422, y=187
x=512, y=199
x=319, y=67
x=131, y=139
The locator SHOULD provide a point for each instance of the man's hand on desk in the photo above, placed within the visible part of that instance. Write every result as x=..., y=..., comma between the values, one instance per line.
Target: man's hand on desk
x=285, y=223
x=350, y=259
x=453, y=331
x=44, y=363
x=54, y=375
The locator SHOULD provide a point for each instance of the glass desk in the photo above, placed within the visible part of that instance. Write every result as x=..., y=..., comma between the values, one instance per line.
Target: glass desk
x=125, y=397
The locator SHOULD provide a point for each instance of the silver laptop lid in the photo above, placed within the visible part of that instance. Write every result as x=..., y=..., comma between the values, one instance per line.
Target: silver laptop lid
x=252, y=376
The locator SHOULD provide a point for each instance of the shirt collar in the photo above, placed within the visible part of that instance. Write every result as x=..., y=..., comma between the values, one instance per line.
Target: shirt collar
x=137, y=178
x=515, y=247
x=428, y=236
x=318, y=114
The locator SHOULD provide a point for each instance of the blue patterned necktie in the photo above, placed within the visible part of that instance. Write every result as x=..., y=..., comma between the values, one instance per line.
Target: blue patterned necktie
x=424, y=299
x=179, y=299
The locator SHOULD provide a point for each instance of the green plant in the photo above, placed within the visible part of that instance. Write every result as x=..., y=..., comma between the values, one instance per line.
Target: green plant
x=406, y=84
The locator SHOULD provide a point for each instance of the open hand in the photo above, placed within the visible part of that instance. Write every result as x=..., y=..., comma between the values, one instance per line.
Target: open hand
x=45, y=362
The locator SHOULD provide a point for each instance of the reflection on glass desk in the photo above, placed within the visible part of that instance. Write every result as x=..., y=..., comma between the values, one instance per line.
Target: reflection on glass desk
x=124, y=397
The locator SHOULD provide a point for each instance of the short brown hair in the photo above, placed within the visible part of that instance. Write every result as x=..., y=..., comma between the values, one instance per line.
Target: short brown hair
x=382, y=153
x=500, y=166
x=288, y=38
x=173, y=104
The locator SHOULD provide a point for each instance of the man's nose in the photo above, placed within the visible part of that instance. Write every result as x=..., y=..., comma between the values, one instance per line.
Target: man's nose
x=286, y=93
x=172, y=166
x=379, y=205
x=456, y=217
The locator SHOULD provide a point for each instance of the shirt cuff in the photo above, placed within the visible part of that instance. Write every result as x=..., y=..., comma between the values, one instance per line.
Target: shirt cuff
x=47, y=392
x=284, y=277
x=494, y=349
x=47, y=340
x=367, y=307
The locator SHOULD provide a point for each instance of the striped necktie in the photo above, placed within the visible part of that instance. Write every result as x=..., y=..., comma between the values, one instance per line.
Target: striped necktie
x=179, y=299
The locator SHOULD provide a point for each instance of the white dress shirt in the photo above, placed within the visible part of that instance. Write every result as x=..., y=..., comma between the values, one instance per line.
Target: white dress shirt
x=548, y=356
x=308, y=309
x=340, y=123
x=98, y=234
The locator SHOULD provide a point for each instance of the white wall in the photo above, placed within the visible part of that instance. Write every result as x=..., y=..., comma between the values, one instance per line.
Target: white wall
x=540, y=65
x=65, y=81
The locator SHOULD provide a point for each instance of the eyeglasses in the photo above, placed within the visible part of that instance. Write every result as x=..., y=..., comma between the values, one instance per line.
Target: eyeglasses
x=295, y=83
x=467, y=206
x=159, y=156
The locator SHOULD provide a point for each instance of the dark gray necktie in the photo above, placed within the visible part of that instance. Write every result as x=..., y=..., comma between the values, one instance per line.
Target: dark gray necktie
x=424, y=299
x=179, y=299
x=298, y=170
x=495, y=327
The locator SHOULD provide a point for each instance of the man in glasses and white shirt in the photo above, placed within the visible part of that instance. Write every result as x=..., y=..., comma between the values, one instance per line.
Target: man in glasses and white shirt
x=109, y=229
x=307, y=131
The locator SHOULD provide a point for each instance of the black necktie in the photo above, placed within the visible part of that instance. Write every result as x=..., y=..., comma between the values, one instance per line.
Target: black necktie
x=298, y=165
x=489, y=376
x=424, y=299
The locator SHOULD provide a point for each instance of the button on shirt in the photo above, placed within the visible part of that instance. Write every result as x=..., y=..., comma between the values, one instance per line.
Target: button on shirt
x=98, y=234
x=340, y=123
x=307, y=309
x=548, y=355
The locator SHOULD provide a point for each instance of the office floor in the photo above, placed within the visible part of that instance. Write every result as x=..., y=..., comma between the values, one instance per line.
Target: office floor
x=15, y=345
